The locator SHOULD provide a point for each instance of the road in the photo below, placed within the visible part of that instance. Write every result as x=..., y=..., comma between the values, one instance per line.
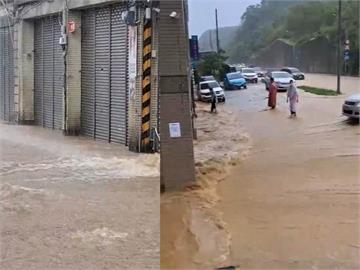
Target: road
x=289, y=201
x=294, y=202
x=71, y=203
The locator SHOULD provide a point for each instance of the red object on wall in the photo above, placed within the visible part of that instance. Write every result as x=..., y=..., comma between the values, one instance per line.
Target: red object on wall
x=71, y=27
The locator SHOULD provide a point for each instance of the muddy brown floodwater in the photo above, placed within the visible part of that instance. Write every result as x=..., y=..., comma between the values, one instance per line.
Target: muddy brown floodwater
x=292, y=202
x=70, y=203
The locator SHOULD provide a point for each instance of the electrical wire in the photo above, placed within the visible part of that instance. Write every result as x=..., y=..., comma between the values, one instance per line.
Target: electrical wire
x=9, y=17
x=5, y=4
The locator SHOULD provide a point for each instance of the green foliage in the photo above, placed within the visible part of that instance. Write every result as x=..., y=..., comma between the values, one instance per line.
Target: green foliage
x=261, y=24
x=297, y=22
x=214, y=64
x=319, y=91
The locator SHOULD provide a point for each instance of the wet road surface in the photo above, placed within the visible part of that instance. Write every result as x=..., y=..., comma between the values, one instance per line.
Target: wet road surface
x=290, y=202
x=72, y=203
x=295, y=201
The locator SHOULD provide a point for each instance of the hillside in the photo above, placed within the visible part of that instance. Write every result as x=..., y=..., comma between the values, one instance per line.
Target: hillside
x=207, y=41
x=304, y=28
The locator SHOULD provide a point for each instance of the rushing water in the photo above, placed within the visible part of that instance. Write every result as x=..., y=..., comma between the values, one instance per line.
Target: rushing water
x=292, y=202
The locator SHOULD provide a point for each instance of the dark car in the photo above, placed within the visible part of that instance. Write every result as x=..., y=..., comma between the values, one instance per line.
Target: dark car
x=296, y=73
x=260, y=72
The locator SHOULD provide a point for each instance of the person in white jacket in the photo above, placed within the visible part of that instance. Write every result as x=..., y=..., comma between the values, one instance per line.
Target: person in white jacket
x=293, y=98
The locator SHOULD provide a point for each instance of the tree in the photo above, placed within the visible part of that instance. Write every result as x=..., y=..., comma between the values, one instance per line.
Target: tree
x=298, y=22
x=214, y=64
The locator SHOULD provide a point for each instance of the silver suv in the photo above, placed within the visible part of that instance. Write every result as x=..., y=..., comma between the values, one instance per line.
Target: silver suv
x=351, y=107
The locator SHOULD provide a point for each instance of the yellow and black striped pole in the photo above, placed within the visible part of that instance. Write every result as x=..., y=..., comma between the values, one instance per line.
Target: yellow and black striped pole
x=146, y=87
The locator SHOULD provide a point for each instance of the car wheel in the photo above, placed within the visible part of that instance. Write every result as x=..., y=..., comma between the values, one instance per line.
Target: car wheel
x=245, y=87
x=256, y=81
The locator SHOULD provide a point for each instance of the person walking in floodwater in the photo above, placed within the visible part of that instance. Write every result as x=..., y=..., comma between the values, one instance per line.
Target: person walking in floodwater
x=213, y=100
x=272, y=94
x=293, y=98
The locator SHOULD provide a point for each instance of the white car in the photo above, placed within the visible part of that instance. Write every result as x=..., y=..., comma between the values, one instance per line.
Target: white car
x=250, y=74
x=281, y=78
x=351, y=107
x=204, y=92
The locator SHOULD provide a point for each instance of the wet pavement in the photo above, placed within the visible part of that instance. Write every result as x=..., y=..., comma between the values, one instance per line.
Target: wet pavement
x=295, y=201
x=292, y=202
x=72, y=203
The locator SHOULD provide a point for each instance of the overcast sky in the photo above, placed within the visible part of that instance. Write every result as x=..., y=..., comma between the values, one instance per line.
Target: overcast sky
x=202, y=13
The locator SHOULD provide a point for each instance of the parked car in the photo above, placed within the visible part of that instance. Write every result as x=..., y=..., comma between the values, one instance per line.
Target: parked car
x=207, y=78
x=351, y=107
x=249, y=74
x=281, y=78
x=296, y=73
x=204, y=91
x=260, y=72
x=234, y=80
x=238, y=67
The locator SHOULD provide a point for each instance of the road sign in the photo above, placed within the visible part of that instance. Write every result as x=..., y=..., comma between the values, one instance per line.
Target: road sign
x=194, y=48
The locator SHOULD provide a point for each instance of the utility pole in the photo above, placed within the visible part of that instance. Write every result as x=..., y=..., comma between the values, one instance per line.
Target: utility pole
x=339, y=49
x=177, y=165
x=217, y=32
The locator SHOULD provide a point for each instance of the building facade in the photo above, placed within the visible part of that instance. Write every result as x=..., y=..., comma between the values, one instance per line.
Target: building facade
x=115, y=71
x=77, y=66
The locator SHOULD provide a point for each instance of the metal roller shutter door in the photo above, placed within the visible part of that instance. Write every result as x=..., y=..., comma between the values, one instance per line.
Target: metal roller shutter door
x=6, y=74
x=49, y=69
x=104, y=77
x=119, y=77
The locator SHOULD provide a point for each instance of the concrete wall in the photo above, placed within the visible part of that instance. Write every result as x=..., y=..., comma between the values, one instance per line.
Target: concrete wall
x=25, y=72
x=177, y=156
x=278, y=54
x=316, y=56
x=73, y=119
x=155, y=75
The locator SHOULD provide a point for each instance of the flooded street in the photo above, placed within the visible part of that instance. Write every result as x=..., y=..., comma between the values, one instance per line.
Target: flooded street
x=72, y=203
x=293, y=201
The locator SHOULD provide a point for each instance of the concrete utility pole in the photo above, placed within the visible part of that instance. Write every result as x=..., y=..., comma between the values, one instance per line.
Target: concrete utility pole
x=339, y=50
x=177, y=168
x=217, y=31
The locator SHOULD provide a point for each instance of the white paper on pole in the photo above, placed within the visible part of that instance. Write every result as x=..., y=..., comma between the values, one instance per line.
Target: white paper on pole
x=175, y=130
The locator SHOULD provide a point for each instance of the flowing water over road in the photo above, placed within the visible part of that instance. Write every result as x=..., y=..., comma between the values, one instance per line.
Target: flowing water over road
x=72, y=203
x=294, y=201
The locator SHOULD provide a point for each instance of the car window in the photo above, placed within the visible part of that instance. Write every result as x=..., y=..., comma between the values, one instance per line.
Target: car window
x=281, y=75
x=294, y=70
x=234, y=76
x=286, y=70
x=248, y=70
x=209, y=85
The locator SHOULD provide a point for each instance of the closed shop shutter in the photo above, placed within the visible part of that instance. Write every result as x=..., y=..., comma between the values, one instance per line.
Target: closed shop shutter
x=104, y=74
x=49, y=70
x=7, y=111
